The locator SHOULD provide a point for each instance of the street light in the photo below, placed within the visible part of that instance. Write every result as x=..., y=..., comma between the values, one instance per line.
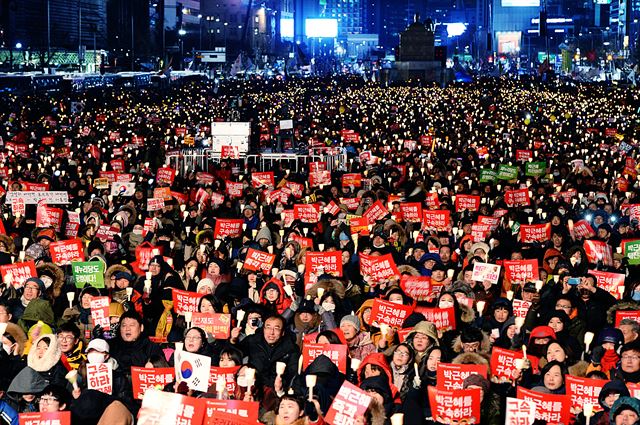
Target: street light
x=182, y=31
x=18, y=45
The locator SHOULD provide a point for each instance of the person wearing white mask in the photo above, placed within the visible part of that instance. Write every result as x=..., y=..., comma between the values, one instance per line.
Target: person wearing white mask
x=98, y=353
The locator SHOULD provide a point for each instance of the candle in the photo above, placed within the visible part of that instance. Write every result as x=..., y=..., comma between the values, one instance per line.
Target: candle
x=221, y=385
x=510, y=295
x=588, y=338
x=250, y=375
x=311, y=382
x=188, y=315
x=280, y=367
x=3, y=328
x=300, y=365
x=539, y=285
x=450, y=273
x=274, y=271
x=288, y=290
x=384, y=329
x=397, y=419
x=148, y=275
x=239, y=265
x=320, y=247
x=587, y=409
x=72, y=377
x=519, y=323
x=129, y=293
x=480, y=306
x=179, y=346
x=355, y=364
x=524, y=351
x=240, y=316
x=70, y=297
x=320, y=292
x=216, y=243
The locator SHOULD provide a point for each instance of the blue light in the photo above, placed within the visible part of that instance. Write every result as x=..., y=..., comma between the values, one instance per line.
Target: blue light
x=455, y=29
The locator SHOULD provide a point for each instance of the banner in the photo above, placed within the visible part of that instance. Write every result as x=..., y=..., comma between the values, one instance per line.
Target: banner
x=100, y=377
x=417, y=287
x=350, y=403
x=88, y=273
x=45, y=418
x=245, y=410
x=66, y=252
x=520, y=307
x=552, y=408
x=439, y=220
x=35, y=197
x=263, y=179
x=443, y=318
x=631, y=250
x=352, y=179
x=229, y=152
x=123, y=189
x=227, y=373
x=517, y=198
x=503, y=363
x=378, y=267
x=359, y=225
x=469, y=203
x=166, y=175
x=193, y=369
x=486, y=272
x=320, y=178
x=318, y=263
x=450, y=376
x=613, y=283
x=535, y=169
x=164, y=408
x=376, y=212
x=143, y=378
x=388, y=313
x=535, y=232
x=306, y=213
x=258, y=260
x=488, y=175
x=520, y=412
x=521, y=270
x=507, y=172
x=411, y=212
x=584, y=390
x=337, y=353
x=100, y=312
x=216, y=324
x=184, y=301
x=598, y=251
x=17, y=273
x=455, y=406
x=155, y=204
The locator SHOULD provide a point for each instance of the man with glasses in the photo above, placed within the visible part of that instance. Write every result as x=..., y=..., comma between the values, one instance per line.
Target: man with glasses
x=33, y=288
x=577, y=326
x=70, y=344
x=629, y=368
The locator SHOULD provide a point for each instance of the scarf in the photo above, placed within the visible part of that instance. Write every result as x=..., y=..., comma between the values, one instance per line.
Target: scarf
x=165, y=321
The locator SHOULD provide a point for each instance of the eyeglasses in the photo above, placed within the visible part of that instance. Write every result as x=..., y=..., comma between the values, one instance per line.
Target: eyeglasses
x=66, y=338
x=401, y=353
x=633, y=358
x=47, y=400
x=564, y=307
x=32, y=288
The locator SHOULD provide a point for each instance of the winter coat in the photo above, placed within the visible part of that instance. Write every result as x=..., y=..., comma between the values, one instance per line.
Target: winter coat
x=50, y=366
x=134, y=353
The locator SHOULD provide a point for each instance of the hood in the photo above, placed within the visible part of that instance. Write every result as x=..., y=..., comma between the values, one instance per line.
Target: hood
x=18, y=335
x=37, y=309
x=426, y=328
x=27, y=381
x=365, y=305
x=112, y=271
x=473, y=358
x=8, y=242
x=407, y=269
x=623, y=403
x=329, y=285
x=379, y=360
x=467, y=314
x=614, y=386
x=264, y=233
x=485, y=345
x=620, y=306
x=50, y=358
x=56, y=274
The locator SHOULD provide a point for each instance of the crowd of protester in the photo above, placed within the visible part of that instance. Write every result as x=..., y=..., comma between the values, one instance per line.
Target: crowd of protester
x=418, y=144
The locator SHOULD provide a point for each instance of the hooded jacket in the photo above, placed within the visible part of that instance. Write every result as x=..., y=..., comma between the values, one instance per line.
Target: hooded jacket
x=50, y=366
x=614, y=386
x=36, y=310
x=379, y=360
x=28, y=381
x=281, y=303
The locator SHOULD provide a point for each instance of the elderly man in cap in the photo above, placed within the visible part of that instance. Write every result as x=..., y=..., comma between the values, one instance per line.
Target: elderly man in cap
x=39, y=250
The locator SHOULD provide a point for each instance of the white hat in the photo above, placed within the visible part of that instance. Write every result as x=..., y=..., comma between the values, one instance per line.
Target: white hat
x=98, y=345
x=205, y=282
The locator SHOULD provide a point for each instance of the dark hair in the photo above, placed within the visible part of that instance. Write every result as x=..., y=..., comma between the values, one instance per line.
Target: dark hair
x=276, y=317
x=203, y=335
x=233, y=353
x=131, y=314
x=215, y=302
x=69, y=327
x=330, y=335
x=547, y=368
x=60, y=393
x=158, y=361
x=291, y=397
x=568, y=352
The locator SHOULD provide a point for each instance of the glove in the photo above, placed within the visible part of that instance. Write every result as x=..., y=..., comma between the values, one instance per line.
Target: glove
x=417, y=382
x=310, y=411
x=295, y=304
x=128, y=306
x=97, y=332
x=597, y=354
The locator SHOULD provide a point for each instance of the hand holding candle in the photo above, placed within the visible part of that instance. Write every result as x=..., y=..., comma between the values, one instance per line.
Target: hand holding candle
x=311, y=382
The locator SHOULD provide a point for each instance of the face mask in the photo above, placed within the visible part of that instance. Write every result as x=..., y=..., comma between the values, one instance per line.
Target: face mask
x=635, y=295
x=328, y=306
x=445, y=304
x=95, y=358
x=561, y=211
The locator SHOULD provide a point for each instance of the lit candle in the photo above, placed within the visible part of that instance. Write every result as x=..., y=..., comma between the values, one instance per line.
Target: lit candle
x=311, y=382
x=70, y=297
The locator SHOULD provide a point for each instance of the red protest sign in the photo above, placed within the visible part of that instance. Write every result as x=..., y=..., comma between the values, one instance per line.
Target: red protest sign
x=263, y=179
x=520, y=412
x=628, y=314
x=503, y=363
x=388, y=313
x=598, y=251
x=521, y=270
x=66, y=252
x=520, y=307
x=450, y=376
x=170, y=408
x=467, y=202
x=106, y=232
x=376, y=212
x=349, y=403
x=492, y=222
x=18, y=207
x=155, y=204
x=216, y=324
x=45, y=418
x=100, y=312
x=166, y=175
x=184, y=301
x=297, y=189
x=584, y=390
x=304, y=242
x=337, y=353
x=230, y=152
x=49, y=217
x=613, y=283
x=320, y=178
x=359, y=225
x=352, y=179
x=411, y=211
x=16, y=274
x=230, y=227
x=517, y=198
x=144, y=254
x=117, y=165
x=455, y=406
x=634, y=389
x=530, y=233
x=479, y=232
x=143, y=378
x=226, y=373
x=317, y=263
x=100, y=377
x=378, y=267
x=554, y=409
x=583, y=230
x=234, y=189
x=432, y=200
x=352, y=204
x=417, y=287
x=317, y=166
x=258, y=260
x=437, y=219
x=523, y=155
x=443, y=318
x=240, y=409
x=306, y=213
